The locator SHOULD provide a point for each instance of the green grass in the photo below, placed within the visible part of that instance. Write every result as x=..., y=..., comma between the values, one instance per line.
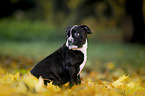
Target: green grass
x=25, y=30
x=122, y=55
x=28, y=31
x=28, y=49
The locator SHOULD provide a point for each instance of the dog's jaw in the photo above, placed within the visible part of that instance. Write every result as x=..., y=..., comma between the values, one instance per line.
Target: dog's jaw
x=72, y=46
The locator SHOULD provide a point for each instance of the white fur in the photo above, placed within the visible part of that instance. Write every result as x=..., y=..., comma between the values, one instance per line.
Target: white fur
x=84, y=51
x=72, y=29
x=74, y=47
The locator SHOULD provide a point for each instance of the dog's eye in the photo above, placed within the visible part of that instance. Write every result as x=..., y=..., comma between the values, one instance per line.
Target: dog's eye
x=77, y=34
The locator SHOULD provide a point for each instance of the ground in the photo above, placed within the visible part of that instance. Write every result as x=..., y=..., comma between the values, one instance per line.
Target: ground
x=111, y=69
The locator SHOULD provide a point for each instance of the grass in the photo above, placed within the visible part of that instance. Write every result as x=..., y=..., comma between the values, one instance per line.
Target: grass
x=98, y=75
x=28, y=49
x=25, y=30
x=118, y=52
x=122, y=55
x=22, y=46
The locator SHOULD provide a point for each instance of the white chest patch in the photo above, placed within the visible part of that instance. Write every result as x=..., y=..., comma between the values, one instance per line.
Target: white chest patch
x=84, y=51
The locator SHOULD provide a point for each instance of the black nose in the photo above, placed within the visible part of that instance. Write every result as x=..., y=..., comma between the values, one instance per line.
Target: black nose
x=70, y=39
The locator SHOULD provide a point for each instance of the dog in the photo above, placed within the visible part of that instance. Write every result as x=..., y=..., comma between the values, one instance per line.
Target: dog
x=65, y=64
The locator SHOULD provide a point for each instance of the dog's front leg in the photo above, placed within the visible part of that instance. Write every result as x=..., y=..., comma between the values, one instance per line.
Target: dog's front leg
x=71, y=72
x=78, y=81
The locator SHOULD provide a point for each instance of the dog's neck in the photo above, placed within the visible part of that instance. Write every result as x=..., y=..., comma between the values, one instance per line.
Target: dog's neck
x=82, y=49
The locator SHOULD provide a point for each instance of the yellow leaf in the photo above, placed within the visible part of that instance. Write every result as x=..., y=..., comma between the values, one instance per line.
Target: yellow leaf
x=16, y=76
x=21, y=88
x=52, y=88
x=91, y=84
x=118, y=82
x=30, y=82
x=2, y=71
x=6, y=90
x=132, y=87
x=40, y=85
x=110, y=65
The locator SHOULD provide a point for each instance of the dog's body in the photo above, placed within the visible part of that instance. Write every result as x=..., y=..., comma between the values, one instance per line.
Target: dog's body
x=66, y=63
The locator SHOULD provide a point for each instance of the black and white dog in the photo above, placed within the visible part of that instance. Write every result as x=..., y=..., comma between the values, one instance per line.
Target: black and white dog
x=66, y=63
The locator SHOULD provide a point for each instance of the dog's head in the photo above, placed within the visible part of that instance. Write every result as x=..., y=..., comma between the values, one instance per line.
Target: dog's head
x=76, y=36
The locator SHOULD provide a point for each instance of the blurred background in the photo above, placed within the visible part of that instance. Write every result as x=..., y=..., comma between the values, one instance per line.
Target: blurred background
x=32, y=29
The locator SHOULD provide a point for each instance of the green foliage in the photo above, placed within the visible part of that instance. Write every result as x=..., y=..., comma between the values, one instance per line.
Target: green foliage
x=123, y=55
x=66, y=12
x=28, y=31
x=104, y=12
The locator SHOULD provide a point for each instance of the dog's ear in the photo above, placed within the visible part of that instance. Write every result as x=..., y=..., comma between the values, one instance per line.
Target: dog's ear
x=68, y=28
x=86, y=28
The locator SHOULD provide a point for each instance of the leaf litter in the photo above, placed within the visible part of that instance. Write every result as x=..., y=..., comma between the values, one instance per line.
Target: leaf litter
x=113, y=82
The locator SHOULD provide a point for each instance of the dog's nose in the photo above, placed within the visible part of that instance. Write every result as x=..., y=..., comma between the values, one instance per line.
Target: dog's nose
x=70, y=39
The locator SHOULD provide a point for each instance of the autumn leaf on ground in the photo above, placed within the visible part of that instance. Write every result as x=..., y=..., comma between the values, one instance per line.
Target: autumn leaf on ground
x=132, y=88
x=2, y=71
x=92, y=85
x=110, y=66
x=52, y=87
x=118, y=82
x=129, y=88
x=33, y=84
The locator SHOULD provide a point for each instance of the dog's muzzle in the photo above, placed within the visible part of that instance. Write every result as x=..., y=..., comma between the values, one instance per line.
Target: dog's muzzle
x=70, y=42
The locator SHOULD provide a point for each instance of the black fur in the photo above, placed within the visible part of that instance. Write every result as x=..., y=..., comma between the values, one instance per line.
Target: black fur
x=60, y=67
x=83, y=30
x=63, y=65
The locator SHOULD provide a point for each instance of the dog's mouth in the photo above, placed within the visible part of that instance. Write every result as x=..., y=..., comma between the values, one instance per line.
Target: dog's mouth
x=72, y=47
x=73, y=44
